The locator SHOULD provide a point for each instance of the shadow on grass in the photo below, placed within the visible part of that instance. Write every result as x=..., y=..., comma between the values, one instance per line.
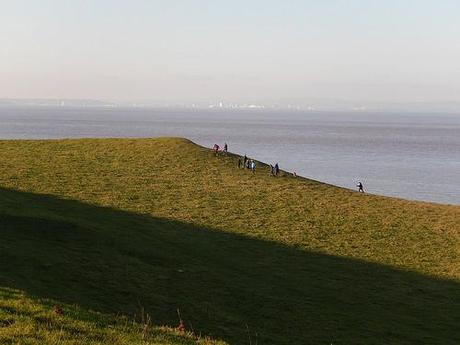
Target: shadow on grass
x=225, y=285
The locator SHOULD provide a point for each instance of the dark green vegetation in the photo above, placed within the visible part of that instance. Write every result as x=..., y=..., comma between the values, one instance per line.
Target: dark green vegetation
x=106, y=227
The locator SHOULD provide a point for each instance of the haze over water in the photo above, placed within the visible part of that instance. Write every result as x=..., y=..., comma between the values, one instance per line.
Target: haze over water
x=412, y=156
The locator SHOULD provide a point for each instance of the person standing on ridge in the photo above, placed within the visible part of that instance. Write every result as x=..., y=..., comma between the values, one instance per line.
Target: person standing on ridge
x=253, y=166
x=216, y=149
x=245, y=160
x=277, y=169
x=360, y=187
x=225, y=148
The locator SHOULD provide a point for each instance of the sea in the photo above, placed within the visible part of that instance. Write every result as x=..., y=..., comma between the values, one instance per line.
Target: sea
x=406, y=155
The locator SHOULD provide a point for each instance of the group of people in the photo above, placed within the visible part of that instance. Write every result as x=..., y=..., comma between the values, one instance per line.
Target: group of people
x=247, y=164
x=216, y=149
x=274, y=170
x=250, y=164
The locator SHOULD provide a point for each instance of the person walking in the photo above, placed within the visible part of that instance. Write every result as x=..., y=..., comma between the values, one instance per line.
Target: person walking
x=277, y=169
x=271, y=170
x=360, y=187
x=253, y=166
x=245, y=161
x=225, y=148
x=216, y=149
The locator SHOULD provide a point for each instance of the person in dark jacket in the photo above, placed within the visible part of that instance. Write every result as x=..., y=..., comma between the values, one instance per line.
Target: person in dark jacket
x=216, y=149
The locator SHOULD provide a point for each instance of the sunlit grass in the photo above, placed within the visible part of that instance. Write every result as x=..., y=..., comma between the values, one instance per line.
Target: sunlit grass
x=25, y=320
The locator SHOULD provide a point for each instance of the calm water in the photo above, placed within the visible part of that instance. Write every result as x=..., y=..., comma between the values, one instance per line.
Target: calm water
x=413, y=156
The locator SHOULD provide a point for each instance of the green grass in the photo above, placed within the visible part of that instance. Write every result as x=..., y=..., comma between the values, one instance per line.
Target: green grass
x=106, y=227
x=25, y=320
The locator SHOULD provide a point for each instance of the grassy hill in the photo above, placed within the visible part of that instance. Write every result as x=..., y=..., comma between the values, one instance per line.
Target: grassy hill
x=106, y=228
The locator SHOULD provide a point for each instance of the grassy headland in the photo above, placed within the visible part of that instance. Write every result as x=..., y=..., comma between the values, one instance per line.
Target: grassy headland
x=109, y=226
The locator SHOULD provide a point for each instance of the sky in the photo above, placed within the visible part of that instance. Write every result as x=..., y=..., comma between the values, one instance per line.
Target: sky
x=292, y=51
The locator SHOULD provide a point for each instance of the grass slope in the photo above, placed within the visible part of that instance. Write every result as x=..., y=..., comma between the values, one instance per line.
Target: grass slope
x=104, y=226
x=26, y=320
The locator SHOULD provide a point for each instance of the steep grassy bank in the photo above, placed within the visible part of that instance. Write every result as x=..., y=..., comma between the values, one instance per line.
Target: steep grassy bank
x=112, y=225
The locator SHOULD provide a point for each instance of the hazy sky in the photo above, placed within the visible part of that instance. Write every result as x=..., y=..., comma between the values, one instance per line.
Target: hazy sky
x=277, y=51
